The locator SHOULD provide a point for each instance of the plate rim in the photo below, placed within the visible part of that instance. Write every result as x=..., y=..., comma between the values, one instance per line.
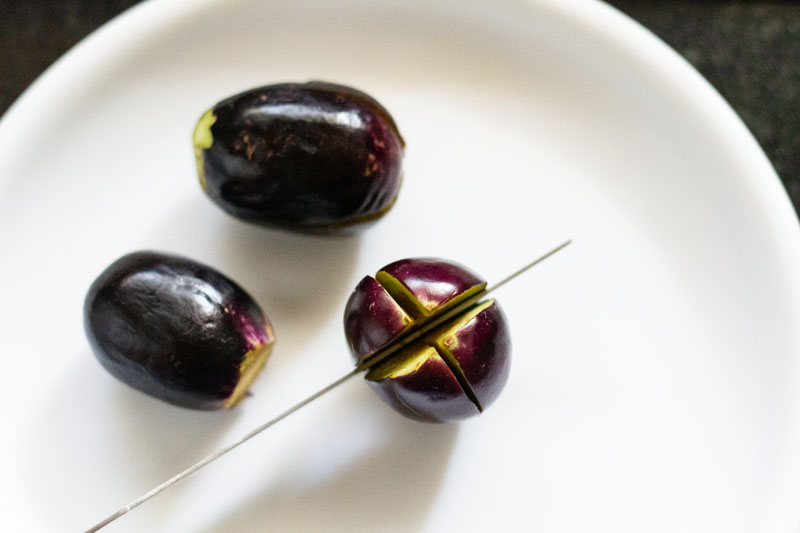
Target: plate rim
x=595, y=16
x=143, y=19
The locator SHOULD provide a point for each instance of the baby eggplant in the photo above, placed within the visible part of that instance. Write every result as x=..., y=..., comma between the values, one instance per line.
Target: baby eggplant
x=177, y=330
x=314, y=157
x=453, y=372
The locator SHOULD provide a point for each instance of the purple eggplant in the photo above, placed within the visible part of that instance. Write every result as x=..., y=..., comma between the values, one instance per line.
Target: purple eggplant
x=177, y=330
x=454, y=371
x=314, y=157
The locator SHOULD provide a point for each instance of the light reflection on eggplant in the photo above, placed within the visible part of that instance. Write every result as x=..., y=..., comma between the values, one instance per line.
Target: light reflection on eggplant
x=177, y=330
x=449, y=374
x=314, y=158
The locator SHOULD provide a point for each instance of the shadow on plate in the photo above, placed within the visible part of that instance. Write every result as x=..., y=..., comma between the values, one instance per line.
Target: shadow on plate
x=96, y=431
x=299, y=280
x=389, y=485
x=304, y=277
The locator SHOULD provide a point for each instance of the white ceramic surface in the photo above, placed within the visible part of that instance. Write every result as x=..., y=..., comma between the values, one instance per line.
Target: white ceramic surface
x=655, y=382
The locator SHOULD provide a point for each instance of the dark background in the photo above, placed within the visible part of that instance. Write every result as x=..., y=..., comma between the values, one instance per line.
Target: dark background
x=749, y=50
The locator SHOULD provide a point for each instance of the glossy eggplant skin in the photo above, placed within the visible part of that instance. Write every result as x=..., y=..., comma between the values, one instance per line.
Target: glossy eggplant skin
x=431, y=393
x=482, y=348
x=452, y=372
x=315, y=157
x=176, y=329
x=372, y=319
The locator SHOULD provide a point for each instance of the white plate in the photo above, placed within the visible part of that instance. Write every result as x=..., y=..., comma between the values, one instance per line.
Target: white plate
x=655, y=383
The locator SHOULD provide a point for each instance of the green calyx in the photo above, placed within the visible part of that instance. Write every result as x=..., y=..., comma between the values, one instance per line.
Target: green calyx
x=203, y=139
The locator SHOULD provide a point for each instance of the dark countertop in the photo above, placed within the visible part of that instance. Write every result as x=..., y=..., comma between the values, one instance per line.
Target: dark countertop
x=749, y=50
